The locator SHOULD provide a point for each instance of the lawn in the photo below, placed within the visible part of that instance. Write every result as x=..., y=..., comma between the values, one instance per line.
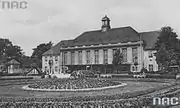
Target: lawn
x=134, y=94
x=133, y=88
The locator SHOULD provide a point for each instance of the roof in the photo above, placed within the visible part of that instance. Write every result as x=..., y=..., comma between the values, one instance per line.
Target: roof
x=150, y=38
x=105, y=18
x=112, y=36
x=34, y=71
x=55, y=50
x=14, y=62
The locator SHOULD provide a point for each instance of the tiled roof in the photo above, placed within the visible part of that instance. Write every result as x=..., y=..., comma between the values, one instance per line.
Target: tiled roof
x=115, y=35
x=150, y=38
x=14, y=61
x=55, y=50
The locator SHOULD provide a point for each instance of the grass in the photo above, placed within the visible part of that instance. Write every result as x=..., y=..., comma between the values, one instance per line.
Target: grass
x=131, y=95
x=132, y=87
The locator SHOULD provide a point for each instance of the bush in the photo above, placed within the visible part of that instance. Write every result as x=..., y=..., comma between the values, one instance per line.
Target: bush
x=83, y=73
x=12, y=74
x=16, y=78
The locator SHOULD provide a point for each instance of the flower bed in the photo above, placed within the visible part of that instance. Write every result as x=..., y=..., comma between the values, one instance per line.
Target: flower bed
x=72, y=84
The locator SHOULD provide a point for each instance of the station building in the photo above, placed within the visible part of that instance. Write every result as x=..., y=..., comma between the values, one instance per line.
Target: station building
x=95, y=49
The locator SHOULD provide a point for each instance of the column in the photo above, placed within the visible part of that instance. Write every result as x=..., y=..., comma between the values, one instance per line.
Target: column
x=110, y=56
x=129, y=55
x=101, y=56
x=84, y=57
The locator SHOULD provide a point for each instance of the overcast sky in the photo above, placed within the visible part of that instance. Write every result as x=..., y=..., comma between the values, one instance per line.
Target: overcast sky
x=55, y=20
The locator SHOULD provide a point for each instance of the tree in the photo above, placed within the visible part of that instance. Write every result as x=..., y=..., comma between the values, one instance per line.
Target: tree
x=40, y=49
x=8, y=50
x=117, y=57
x=14, y=51
x=167, y=47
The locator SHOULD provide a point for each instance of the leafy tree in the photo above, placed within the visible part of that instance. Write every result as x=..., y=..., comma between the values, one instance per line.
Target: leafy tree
x=167, y=47
x=14, y=51
x=117, y=57
x=8, y=50
x=40, y=49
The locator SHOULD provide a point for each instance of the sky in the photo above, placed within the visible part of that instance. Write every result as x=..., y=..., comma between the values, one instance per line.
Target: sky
x=55, y=20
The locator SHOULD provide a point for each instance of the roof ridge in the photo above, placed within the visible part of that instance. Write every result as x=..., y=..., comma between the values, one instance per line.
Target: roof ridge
x=150, y=31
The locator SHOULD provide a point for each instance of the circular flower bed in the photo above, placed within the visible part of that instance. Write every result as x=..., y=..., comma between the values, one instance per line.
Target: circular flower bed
x=79, y=84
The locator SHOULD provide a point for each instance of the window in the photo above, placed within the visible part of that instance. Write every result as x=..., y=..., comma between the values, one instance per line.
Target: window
x=80, y=57
x=46, y=58
x=105, y=56
x=96, y=53
x=51, y=57
x=124, y=51
x=134, y=55
x=88, y=57
x=150, y=68
x=56, y=58
x=114, y=51
x=134, y=68
x=65, y=58
x=56, y=69
x=45, y=68
x=72, y=57
x=150, y=54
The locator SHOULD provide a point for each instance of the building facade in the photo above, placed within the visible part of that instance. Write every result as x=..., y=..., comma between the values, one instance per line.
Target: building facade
x=51, y=60
x=95, y=49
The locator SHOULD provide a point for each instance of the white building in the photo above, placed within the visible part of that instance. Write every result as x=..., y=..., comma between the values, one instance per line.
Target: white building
x=96, y=49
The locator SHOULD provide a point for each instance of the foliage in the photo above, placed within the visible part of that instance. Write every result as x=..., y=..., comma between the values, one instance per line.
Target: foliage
x=82, y=73
x=117, y=57
x=168, y=48
x=8, y=50
x=39, y=50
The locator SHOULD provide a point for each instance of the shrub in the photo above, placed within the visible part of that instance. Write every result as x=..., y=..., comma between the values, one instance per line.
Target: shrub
x=83, y=73
x=11, y=74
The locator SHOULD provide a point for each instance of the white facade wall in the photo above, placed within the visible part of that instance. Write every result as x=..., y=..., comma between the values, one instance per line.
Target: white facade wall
x=150, y=60
x=56, y=64
x=143, y=58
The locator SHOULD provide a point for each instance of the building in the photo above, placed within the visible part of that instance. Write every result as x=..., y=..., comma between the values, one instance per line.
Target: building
x=150, y=39
x=14, y=66
x=95, y=49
